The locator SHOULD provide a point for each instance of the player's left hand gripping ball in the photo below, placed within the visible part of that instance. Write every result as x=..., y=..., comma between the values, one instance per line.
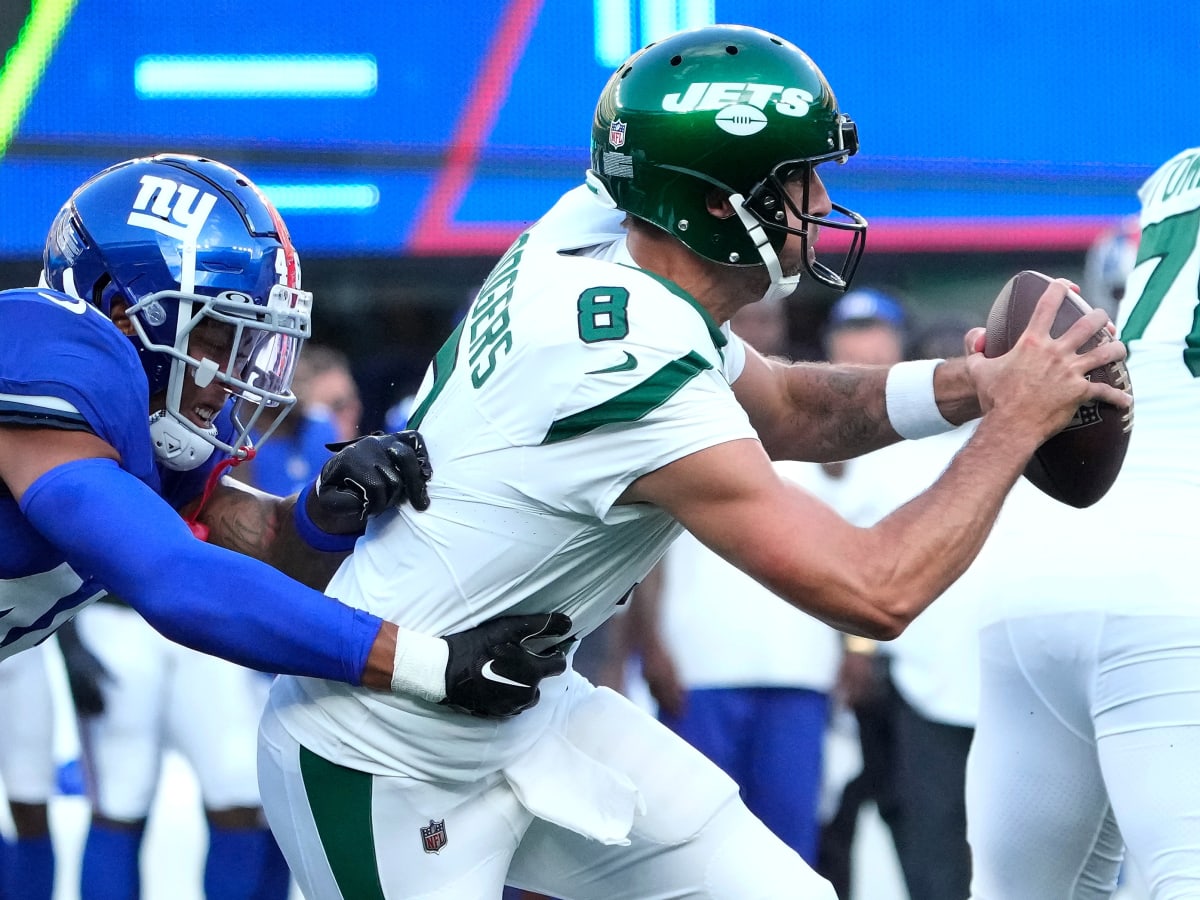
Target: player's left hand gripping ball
x=371, y=474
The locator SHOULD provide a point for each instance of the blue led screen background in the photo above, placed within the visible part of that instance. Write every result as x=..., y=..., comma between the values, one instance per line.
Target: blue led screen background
x=984, y=125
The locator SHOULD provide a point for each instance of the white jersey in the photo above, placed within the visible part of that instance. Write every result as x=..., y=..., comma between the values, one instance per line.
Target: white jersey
x=935, y=662
x=572, y=374
x=726, y=630
x=1144, y=521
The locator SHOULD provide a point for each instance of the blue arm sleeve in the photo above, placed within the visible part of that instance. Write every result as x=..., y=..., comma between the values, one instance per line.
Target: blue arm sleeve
x=110, y=525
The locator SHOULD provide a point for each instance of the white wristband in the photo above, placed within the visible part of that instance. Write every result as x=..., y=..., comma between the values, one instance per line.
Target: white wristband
x=419, y=668
x=911, y=406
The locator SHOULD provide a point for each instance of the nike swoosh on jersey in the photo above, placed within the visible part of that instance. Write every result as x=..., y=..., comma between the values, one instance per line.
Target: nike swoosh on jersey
x=630, y=362
x=492, y=675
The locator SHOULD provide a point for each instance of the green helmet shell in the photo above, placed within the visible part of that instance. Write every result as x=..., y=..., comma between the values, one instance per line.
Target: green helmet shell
x=722, y=106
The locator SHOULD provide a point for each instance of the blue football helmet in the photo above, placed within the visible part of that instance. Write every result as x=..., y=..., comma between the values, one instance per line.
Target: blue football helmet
x=181, y=239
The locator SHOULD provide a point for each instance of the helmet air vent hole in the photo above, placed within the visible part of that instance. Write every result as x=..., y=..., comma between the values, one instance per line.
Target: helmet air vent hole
x=731, y=50
x=625, y=74
x=683, y=225
x=676, y=60
x=776, y=40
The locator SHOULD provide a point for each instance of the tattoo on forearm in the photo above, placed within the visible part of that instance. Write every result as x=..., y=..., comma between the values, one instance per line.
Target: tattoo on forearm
x=242, y=522
x=838, y=412
x=257, y=526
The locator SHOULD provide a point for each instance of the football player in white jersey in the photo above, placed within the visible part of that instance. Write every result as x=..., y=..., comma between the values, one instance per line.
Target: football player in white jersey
x=1089, y=724
x=592, y=404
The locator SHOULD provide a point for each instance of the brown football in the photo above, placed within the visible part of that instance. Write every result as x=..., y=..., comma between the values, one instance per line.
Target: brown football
x=1078, y=465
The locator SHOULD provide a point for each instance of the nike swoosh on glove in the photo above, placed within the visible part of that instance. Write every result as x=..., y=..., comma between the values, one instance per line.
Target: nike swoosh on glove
x=369, y=475
x=493, y=672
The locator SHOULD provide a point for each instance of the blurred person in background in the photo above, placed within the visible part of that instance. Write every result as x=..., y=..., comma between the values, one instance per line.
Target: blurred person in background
x=933, y=670
x=27, y=772
x=1107, y=264
x=914, y=698
x=327, y=411
x=139, y=696
x=866, y=326
x=325, y=382
x=935, y=675
x=740, y=675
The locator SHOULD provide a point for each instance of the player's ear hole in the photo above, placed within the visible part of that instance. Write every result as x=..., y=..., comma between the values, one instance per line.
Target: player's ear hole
x=718, y=203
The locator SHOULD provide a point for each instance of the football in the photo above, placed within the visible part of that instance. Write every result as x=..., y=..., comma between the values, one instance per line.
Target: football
x=1078, y=465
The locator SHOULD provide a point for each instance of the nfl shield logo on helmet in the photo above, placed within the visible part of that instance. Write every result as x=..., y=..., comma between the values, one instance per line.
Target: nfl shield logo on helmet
x=433, y=836
x=616, y=133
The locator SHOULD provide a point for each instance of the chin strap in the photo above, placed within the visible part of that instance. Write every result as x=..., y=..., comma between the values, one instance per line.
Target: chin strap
x=199, y=529
x=781, y=285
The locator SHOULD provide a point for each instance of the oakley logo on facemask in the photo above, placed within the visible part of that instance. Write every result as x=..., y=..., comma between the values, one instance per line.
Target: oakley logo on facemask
x=177, y=210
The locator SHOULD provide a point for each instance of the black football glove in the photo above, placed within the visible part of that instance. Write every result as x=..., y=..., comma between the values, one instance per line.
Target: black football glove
x=367, y=476
x=494, y=669
x=86, y=675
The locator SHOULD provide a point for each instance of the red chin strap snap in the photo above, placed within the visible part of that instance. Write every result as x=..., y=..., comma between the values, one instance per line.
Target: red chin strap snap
x=197, y=528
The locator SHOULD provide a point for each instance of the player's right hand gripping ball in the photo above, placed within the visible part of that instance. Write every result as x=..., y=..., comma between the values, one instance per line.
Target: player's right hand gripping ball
x=495, y=668
x=1078, y=465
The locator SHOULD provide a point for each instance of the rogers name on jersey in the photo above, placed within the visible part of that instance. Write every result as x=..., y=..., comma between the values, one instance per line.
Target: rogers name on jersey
x=701, y=95
x=488, y=319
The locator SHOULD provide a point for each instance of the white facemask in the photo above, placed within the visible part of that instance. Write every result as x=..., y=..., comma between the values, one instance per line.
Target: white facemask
x=179, y=448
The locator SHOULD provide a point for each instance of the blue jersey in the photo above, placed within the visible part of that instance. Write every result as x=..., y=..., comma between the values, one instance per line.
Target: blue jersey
x=63, y=364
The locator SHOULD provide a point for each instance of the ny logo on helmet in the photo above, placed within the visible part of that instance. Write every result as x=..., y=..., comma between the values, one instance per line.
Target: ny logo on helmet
x=168, y=207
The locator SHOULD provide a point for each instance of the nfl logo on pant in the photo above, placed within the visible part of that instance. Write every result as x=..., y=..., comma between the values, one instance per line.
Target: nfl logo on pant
x=433, y=836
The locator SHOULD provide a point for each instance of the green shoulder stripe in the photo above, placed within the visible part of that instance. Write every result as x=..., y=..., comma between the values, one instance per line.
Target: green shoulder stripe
x=634, y=403
x=443, y=365
x=340, y=800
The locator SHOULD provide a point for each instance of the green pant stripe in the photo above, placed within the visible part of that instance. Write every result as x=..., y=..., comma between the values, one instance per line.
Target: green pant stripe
x=340, y=800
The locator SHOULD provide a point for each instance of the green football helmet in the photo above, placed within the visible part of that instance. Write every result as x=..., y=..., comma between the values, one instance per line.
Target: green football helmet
x=737, y=109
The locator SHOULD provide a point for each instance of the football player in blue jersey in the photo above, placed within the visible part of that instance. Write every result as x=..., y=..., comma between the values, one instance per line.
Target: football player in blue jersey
x=168, y=318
